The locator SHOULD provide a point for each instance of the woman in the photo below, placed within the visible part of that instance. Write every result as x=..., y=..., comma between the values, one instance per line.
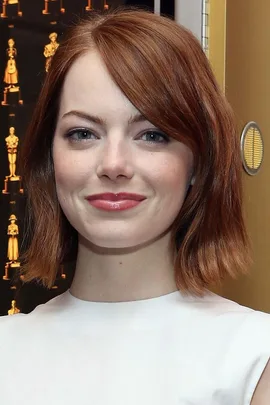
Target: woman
x=132, y=165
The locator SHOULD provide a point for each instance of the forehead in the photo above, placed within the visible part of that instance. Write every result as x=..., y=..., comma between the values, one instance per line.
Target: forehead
x=88, y=85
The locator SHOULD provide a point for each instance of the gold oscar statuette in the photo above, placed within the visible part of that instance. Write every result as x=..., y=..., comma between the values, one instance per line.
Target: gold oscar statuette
x=11, y=90
x=13, y=248
x=53, y=7
x=12, y=142
x=89, y=5
x=49, y=50
x=13, y=310
x=11, y=8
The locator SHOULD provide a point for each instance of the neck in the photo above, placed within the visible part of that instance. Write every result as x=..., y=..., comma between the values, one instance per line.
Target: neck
x=113, y=275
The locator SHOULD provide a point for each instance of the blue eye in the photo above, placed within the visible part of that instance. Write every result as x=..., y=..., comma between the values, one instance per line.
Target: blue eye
x=155, y=137
x=80, y=135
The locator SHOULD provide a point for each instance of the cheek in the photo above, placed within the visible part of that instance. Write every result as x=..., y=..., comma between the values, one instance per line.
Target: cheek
x=70, y=176
x=70, y=170
x=173, y=175
x=175, y=183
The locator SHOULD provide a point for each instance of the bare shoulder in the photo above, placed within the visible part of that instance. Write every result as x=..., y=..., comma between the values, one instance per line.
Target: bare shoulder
x=262, y=393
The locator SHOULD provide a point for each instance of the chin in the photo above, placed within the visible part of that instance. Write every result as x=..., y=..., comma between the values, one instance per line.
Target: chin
x=116, y=242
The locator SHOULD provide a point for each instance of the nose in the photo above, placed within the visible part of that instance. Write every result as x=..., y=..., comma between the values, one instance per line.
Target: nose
x=115, y=160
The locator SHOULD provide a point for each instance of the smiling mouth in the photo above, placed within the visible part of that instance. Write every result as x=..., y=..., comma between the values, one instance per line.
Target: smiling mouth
x=115, y=202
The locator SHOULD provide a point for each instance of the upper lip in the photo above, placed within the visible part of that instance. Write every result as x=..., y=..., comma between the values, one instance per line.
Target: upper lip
x=116, y=197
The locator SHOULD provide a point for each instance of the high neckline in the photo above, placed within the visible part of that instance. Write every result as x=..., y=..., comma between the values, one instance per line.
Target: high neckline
x=169, y=297
x=145, y=313
x=139, y=313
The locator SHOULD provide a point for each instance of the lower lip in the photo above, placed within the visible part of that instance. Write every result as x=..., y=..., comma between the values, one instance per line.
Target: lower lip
x=114, y=205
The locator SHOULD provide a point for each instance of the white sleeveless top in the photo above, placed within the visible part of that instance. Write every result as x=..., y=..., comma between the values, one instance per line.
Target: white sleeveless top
x=169, y=350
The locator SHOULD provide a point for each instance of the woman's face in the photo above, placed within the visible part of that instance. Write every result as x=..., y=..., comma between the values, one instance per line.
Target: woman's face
x=103, y=145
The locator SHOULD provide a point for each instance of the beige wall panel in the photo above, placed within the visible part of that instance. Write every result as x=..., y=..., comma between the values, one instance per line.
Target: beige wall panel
x=217, y=39
x=248, y=90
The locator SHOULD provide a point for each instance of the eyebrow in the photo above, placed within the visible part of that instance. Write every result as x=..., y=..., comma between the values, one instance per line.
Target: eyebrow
x=93, y=118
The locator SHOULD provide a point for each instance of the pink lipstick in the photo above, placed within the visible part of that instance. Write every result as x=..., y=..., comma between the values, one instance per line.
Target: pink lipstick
x=115, y=202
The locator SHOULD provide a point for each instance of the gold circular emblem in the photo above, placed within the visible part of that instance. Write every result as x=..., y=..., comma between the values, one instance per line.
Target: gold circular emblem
x=252, y=148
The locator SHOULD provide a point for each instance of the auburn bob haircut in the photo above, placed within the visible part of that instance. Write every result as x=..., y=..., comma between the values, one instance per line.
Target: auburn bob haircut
x=162, y=69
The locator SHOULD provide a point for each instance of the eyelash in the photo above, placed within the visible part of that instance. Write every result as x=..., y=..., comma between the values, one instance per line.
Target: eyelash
x=86, y=132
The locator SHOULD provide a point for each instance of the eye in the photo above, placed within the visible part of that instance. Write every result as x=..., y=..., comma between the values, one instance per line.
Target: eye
x=155, y=137
x=80, y=134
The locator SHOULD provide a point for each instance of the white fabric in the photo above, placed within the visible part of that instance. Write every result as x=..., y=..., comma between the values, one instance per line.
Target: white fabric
x=169, y=350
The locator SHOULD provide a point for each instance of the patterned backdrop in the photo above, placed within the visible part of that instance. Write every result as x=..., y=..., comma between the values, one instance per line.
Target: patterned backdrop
x=30, y=31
